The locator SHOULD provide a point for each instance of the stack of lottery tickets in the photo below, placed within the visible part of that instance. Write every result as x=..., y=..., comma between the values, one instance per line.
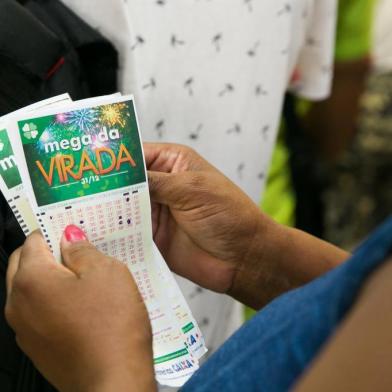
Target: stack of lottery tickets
x=82, y=163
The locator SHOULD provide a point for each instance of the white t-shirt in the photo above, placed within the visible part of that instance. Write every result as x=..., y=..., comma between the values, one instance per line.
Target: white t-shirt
x=383, y=36
x=212, y=74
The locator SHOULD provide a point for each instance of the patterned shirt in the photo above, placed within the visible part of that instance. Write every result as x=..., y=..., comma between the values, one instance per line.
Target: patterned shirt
x=212, y=74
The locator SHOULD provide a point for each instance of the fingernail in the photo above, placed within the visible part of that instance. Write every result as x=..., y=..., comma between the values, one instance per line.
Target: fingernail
x=72, y=234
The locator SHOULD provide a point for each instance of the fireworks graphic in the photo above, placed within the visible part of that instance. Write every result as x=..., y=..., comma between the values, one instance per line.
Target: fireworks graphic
x=82, y=119
x=105, y=158
x=87, y=121
x=61, y=118
x=52, y=132
x=47, y=136
x=113, y=114
x=97, y=143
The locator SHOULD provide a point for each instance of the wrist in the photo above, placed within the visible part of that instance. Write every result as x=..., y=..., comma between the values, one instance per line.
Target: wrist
x=123, y=382
x=279, y=259
x=133, y=371
x=127, y=379
x=257, y=275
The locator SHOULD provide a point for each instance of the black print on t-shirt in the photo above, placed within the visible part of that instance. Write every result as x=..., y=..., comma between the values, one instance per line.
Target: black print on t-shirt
x=159, y=128
x=195, y=135
x=188, y=85
x=216, y=41
x=139, y=41
x=235, y=129
x=150, y=85
x=174, y=41
x=229, y=88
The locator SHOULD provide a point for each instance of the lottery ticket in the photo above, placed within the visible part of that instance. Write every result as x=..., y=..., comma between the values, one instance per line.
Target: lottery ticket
x=183, y=314
x=10, y=182
x=82, y=163
x=11, y=186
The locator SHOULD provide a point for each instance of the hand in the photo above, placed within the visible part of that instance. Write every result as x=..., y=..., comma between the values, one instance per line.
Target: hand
x=204, y=225
x=84, y=323
x=210, y=232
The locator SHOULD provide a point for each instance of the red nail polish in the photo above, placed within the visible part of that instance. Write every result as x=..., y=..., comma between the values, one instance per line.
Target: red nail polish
x=72, y=233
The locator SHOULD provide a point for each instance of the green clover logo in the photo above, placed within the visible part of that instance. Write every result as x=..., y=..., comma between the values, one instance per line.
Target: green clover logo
x=30, y=131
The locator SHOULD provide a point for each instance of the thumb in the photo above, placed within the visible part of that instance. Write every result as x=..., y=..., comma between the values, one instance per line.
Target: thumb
x=175, y=190
x=162, y=187
x=78, y=254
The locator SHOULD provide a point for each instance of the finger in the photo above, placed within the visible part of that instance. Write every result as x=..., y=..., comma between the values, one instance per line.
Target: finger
x=181, y=191
x=36, y=253
x=78, y=254
x=162, y=234
x=173, y=158
x=156, y=151
x=35, y=250
x=161, y=156
x=13, y=266
x=164, y=188
x=155, y=211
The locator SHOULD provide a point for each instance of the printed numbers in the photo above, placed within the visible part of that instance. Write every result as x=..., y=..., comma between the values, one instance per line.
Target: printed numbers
x=89, y=180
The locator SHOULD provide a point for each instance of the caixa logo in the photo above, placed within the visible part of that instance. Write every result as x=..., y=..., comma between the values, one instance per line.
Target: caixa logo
x=191, y=340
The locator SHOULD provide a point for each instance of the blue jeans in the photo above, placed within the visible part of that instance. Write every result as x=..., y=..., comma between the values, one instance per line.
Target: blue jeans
x=273, y=349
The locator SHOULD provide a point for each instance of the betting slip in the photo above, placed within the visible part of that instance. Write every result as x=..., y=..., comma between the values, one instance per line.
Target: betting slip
x=82, y=163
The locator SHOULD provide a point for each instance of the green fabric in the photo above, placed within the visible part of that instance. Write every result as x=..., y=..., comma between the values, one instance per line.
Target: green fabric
x=353, y=41
x=279, y=199
x=249, y=313
x=354, y=29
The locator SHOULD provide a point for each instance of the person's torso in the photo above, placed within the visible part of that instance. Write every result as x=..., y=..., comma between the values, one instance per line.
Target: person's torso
x=212, y=75
x=209, y=74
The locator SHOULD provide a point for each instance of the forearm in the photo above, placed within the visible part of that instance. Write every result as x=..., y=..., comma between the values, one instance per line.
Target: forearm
x=279, y=260
x=331, y=123
x=358, y=356
x=133, y=379
x=135, y=373
x=124, y=382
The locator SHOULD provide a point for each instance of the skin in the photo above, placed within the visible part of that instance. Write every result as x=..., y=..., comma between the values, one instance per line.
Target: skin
x=330, y=129
x=82, y=322
x=209, y=232
x=358, y=356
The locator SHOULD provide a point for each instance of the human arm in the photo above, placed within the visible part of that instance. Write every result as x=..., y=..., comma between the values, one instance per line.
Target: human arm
x=210, y=232
x=332, y=123
x=282, y=259
x=83, y=324
x=358, y=355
